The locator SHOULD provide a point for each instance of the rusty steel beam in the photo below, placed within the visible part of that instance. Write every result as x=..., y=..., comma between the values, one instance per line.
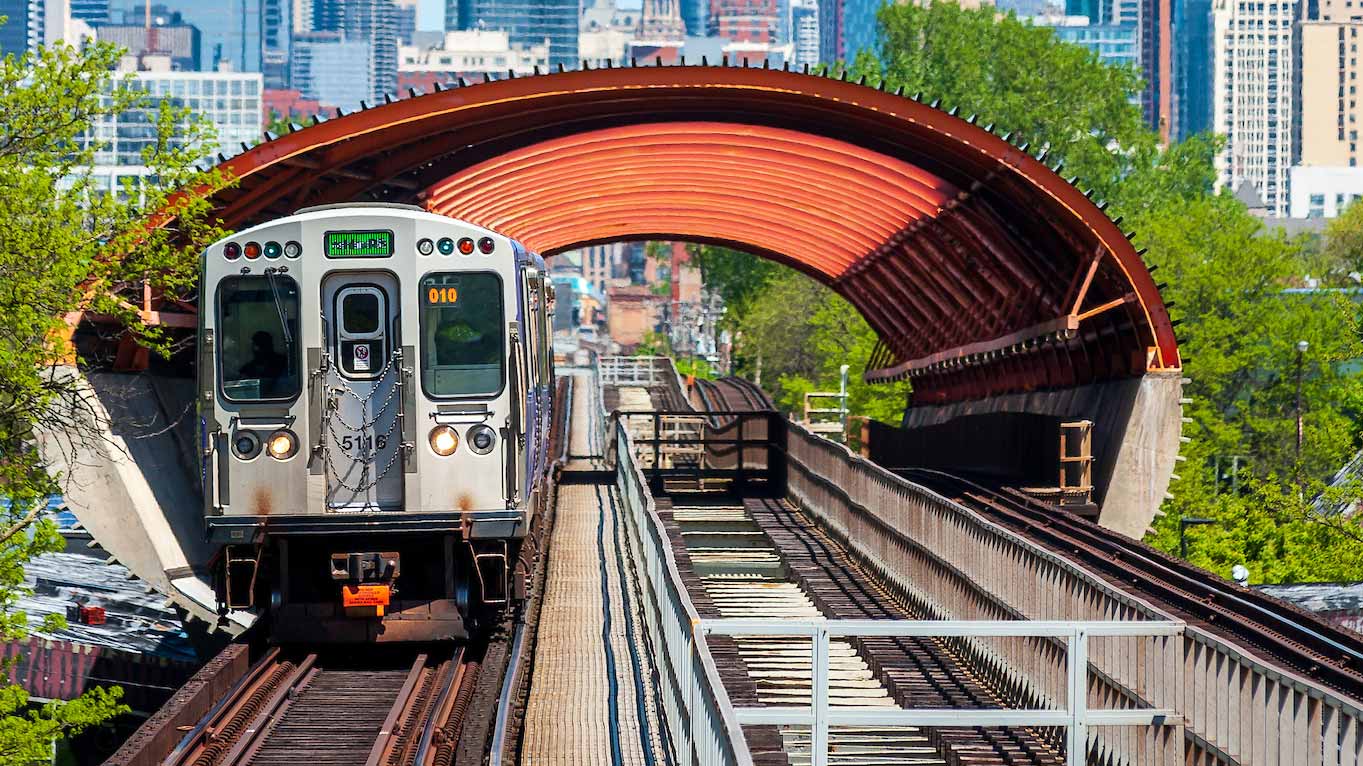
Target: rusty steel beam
x=944, y=235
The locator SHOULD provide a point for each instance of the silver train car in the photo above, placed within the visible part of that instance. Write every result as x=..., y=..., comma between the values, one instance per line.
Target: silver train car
x=375, y=386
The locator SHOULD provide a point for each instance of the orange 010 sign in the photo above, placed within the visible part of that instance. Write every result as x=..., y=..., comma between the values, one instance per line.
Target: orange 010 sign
x=439, y=295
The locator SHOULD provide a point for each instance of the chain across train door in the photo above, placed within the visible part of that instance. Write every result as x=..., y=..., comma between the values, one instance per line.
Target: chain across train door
x=361, y=431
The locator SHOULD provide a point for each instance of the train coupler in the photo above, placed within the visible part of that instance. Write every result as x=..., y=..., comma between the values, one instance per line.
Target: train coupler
x=368, y=581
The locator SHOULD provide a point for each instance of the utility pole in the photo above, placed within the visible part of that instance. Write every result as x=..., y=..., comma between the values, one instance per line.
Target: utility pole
x=1183, y=523
x=1301, y=353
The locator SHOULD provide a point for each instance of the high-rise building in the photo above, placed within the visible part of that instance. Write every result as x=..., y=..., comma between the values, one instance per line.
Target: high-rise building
x=470, y=52
x=661, y=20
x=860, y=29
x=372, y=20
x=167, y=35
x=276, y=29
x=230, y=101
x=1154, y=20
x=830, y=30
x=230, y=32
x=1254, y=97
x=1330, y=174
x=529, y=22
x=92, y=12
x=1192, y=62
x=404, y=19
x=24, y=31
x=331, y=69
x=1115, y=44
x=745, y=21
x=804, y=31
x=696, y=16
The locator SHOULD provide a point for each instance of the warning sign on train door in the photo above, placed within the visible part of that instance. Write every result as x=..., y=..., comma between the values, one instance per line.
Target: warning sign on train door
x=361, y=361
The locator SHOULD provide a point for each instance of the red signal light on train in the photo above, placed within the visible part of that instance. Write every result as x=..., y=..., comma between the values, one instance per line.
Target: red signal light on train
x=466, y=246
x=252, y=250
x=486, y=245
x=231, y=251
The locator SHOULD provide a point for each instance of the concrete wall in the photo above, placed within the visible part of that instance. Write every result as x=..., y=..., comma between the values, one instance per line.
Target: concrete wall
x=132, y=482
x=1136, y=429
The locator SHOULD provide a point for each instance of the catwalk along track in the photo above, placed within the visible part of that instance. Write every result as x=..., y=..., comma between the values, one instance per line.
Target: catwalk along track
x=1301, y=641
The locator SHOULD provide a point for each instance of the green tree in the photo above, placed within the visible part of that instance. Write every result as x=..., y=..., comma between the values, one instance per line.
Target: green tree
x=737, y=277
x=803, y=333
x=1020, y=79
x=68, y=245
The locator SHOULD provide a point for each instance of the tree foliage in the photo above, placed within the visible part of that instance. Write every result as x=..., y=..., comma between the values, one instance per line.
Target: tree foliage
x=1228, y=283
x=69, y=245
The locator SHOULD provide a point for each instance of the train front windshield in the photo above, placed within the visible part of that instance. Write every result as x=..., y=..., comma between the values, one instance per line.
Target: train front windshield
x=257, y=338
x=463, y=349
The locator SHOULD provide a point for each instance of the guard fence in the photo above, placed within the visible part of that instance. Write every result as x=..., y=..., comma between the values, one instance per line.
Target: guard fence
x=706, y=728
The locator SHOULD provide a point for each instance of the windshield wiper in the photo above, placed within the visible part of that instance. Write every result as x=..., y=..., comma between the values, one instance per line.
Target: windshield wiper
x=279, y=308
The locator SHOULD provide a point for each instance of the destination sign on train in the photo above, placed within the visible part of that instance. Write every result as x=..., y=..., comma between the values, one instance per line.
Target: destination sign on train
x=359, y=244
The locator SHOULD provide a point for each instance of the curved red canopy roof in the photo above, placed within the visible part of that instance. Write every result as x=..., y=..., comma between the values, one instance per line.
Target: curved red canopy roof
x=982, y=271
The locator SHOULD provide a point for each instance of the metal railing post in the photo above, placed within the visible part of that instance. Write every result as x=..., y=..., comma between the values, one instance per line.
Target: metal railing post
x=819, y=690
x=1076, y=752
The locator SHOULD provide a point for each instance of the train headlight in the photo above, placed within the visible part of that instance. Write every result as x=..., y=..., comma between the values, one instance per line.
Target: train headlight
x=482, y=439
x=444, y=440
x=292, y=249
x=245, y=444
x=282, y=445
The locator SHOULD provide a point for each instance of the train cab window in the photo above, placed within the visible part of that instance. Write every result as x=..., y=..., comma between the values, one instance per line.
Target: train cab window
x=258, y=338
x=463, y=329
x=361, y=313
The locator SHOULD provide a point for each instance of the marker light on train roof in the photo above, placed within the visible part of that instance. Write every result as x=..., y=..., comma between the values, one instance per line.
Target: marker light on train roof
x=425, y=246
x=231, y=251
x=466, y=246
x=292, y=249
x=252, y=250
x=486, y=245
x=273, y=250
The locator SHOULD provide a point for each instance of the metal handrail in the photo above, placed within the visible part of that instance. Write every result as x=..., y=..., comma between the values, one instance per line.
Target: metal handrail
x=1075, y=717
x=695, y=706
x=1273, y=709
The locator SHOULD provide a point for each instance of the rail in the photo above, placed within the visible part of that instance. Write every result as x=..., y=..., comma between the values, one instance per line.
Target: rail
x=630, y=370
x=1076, y=717
x=954, y=563
x=695, y=705
x=745, y=452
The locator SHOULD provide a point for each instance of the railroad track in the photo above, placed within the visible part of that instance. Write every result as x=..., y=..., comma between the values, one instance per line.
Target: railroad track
x=1281, y=631
x=732, y=393
x=758, y=558
x=319, y=710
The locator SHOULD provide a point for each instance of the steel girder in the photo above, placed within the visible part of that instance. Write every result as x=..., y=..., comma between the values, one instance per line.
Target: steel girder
x=981, y=269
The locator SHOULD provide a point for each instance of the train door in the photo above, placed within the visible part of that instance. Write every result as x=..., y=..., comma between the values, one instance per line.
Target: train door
x=361, y=421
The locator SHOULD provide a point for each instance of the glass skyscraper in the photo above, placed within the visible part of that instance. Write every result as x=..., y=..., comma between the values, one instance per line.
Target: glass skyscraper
x=529, y=22
x=1192, y=67
x=24, y=31
x=230, y=31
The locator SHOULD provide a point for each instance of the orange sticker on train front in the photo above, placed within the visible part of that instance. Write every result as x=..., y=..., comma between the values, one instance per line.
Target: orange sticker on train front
x=365, y=595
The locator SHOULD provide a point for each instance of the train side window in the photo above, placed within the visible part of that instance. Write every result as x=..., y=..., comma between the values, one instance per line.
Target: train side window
x=258, y=350
x=463, y=334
